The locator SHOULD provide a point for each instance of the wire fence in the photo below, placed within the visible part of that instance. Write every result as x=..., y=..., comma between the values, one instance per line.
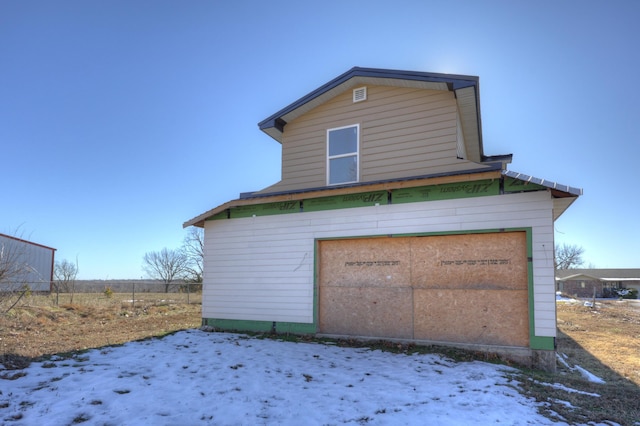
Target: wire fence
x=131, y=293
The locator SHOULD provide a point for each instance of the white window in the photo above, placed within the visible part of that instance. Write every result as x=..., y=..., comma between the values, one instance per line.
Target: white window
x=342, y=155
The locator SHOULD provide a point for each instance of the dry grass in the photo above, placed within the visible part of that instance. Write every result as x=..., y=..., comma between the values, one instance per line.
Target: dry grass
x=36, y=327
x=610, y=334
x=116, y=299
x=605, y=341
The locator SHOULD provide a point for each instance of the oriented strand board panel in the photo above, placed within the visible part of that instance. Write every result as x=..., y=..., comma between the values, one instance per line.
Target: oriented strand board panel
x=364, y=288
x=470, y=288
x=494, y=261
x=365, y=262
x=366, y=311
x=487, y=317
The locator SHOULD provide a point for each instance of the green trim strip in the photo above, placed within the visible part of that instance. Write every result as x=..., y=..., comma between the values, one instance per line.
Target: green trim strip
x=543, y=343
x=220, y=216
x=269, y=209
x=365, y=199
x=516, y=185
x=261, y=326
x=448, y=191
x=480, y=188
x=532, y=316
x=316, y=286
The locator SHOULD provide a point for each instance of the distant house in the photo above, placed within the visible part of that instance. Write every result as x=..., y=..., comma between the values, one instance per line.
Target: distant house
x=389, y=222
x=24, y=262
x=605, y=282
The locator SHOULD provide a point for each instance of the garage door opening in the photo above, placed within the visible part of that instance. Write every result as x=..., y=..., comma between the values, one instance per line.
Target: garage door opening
x=463, y=288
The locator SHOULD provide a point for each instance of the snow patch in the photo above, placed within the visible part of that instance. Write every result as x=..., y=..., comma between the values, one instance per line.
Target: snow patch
x=588, y=375
x=196, y=377
x=565, y=388
x=562, y=358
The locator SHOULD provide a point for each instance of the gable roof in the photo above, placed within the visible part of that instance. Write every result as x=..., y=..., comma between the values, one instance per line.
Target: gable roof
x=599, y=274
x=466, y=89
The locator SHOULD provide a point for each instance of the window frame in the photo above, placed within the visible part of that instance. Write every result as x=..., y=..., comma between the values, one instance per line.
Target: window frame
x=356, y=153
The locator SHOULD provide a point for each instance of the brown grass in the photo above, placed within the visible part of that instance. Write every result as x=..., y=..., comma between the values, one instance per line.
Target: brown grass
x=610, y=334
x=605, y=341
x=37, y=328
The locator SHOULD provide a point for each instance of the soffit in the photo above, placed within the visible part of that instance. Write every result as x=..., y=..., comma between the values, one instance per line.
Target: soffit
x=560, y=205
x=467, y=100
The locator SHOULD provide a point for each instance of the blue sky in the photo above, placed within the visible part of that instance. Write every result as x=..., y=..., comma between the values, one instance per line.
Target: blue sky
x=120, y=120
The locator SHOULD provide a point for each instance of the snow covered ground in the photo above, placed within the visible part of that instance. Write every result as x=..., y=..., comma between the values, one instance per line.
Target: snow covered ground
x=199, y=378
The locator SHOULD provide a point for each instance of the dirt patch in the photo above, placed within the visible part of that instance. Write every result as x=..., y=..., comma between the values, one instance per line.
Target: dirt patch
x=30, y=332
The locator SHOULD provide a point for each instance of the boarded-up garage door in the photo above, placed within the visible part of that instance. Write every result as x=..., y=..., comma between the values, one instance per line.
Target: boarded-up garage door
x=468, y=288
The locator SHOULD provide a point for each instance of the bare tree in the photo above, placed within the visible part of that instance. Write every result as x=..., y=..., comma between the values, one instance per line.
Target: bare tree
x=193, y=249
x=165, y=265
x=568, y=256
x=65, y=273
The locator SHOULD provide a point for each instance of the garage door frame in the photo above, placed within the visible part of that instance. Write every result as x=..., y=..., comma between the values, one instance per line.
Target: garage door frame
x=534, y=341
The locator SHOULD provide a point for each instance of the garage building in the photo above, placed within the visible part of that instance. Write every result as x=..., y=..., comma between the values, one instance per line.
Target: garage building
x=391, y=223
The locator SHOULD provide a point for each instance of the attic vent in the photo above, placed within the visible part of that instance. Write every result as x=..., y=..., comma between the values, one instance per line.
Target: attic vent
x=360, y=94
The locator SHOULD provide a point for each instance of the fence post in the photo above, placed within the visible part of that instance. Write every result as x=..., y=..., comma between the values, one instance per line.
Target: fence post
x=133, y=295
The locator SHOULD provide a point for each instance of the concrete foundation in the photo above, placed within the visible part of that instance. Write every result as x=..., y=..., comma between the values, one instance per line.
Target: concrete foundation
x=544, y=360
x=538, y=359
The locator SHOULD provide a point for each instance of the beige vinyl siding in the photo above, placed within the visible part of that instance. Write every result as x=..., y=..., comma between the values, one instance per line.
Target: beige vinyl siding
x=262, y=268
x=404, y=132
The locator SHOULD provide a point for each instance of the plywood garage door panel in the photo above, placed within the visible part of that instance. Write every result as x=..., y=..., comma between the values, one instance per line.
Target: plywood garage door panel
x=468, y=288
x=471, y=288
x=485, y=317
x=495, y=261
x=365, y=288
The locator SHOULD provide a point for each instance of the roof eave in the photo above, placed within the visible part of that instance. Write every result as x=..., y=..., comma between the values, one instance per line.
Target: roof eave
x=27, y=242
x=274, y=124
x=570, y=277
x=491, y=172
x=502, y=159
x=563, y=195
x=543, y=182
